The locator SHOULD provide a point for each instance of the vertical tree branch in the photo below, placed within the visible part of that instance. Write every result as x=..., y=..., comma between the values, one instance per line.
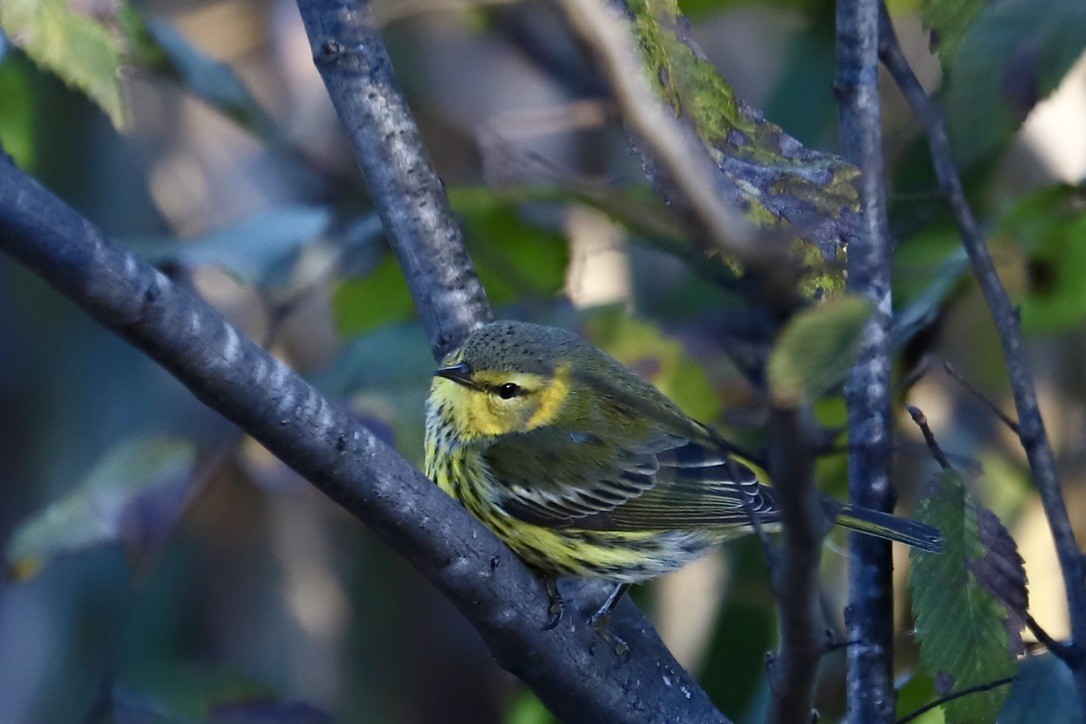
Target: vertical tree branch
x=406, y=190
x=1031, y=429
x=793, y=673
x=869, y=616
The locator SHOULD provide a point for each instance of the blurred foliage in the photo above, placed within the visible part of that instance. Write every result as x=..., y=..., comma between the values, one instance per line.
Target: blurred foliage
x=1049, y=228
x=1009, y=59
x=816, y=350
x=969, y=609
x=262, y=602
x=948, y=21
x=1044, y=693
x=133, y=495
x=82, y=48
x=640, y=347
x=16, y=114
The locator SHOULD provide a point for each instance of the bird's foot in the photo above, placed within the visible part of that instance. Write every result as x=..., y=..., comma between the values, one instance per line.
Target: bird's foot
x=557, y=606
x=618, y=645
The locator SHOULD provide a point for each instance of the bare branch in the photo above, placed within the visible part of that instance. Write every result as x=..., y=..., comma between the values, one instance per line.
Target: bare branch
x=406, y=190
x=796, y=574
x=913, y=715
x=976, y=392
x=578, y=679
x=1031, y=430
x=869, y=615
x=921, y=421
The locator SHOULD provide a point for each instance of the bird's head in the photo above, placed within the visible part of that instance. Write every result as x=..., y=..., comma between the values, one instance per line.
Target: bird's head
x=507, y=377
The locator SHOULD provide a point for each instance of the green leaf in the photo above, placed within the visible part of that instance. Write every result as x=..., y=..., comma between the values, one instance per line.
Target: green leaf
x=918, y=692
x=528, y=709
x=816, y=350
x=778, y=182
x=516, y=255
x=641, y=347
x=80, y=49
x=16, y=115
x=948, y=21
x=379, y=298
x=1013, y=56
x=132, y=495
x=1051, y=228
x=1043, y=694
x=965, y=631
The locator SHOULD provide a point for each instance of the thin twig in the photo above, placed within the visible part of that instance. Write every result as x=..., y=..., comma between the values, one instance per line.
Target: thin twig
x=988, y=402
x=869, y=615
x=921, y=421
x=1031, y=433
x=979, y=688
x=1060, y=649
x=795, y=573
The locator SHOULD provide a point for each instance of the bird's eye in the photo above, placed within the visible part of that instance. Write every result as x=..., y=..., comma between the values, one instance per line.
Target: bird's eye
x=508, y=391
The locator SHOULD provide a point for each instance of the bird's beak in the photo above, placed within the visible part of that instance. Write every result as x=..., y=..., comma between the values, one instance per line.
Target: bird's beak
x=459, y=373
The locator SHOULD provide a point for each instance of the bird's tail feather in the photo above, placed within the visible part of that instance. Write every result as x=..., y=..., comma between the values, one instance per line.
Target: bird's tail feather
x=890, y=527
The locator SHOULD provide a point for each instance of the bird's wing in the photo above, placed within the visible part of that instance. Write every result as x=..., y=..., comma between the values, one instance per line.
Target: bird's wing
x=559, y=479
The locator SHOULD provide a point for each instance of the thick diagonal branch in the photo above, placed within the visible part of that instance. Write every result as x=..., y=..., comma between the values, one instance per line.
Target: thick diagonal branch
x=575, y=676
x=1031, y=429
x=869, y=616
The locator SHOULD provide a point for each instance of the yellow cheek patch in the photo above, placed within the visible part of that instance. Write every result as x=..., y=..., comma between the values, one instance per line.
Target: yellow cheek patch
x=551, y=398
x=469, y=409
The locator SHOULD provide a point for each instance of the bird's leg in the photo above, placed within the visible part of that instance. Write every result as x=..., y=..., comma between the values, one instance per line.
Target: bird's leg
x=601, y=619
x=557, y=606
x=605, y=610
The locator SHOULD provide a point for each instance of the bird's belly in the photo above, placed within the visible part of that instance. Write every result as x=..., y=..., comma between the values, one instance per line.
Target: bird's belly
x=619, y=556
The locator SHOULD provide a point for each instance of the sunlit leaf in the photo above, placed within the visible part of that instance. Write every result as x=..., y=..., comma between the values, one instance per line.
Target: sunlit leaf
x=1043, y=694
x=967, y=634
x=528, y=709
x=816, y=350
x=640, y=346
x=132, y=495
x=16, y=115
x=81, y=49
x=1013, y=56
x=918, y=692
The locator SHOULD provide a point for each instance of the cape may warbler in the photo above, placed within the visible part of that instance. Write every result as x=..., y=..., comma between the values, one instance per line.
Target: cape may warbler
x=584, y=469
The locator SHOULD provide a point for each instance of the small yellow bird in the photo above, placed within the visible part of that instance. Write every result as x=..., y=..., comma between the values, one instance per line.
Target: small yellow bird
x=584, y=469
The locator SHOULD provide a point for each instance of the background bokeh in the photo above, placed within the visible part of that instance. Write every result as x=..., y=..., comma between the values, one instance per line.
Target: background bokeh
x=212, y=576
